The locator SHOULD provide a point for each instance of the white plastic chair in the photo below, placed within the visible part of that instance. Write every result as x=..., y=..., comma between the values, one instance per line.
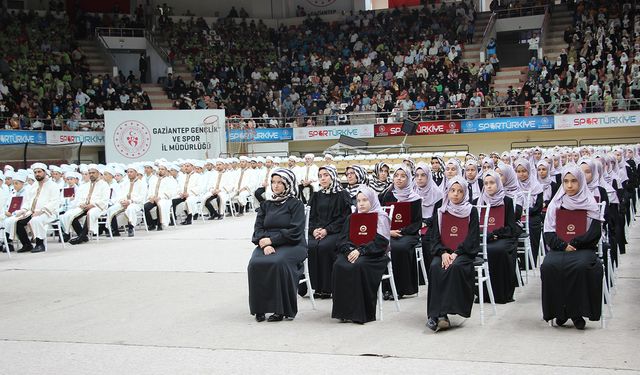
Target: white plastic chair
x=524, y=242
x=388, y=276
x=305, y=263
x=54, y=228
x=103, y=219
x=3, y=241
x=481, y=265
x=606, y=290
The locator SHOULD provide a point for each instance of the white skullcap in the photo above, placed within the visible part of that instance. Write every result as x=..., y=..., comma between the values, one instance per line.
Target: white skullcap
x=260, y=159
x=2, y=176
x=309, y=156
x=54, y=168
x=8, y=168
x=42, y=166
x=198, y=163
x=20, y=176
x=93, y=166
x=73, y=175
x=244, y=158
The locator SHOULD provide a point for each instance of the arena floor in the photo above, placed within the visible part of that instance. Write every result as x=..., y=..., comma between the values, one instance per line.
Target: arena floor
x=176, y=302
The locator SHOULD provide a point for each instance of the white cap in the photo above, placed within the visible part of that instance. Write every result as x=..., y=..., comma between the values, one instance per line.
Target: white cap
x=20, y=176
x=42, y=166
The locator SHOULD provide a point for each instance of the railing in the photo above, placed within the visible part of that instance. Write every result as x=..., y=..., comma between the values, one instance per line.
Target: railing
x=354, y=118
x=102, y=44
x=155, y=43
x=544, y=30
x=122, y=32
x=521, y=11
x=486, y=36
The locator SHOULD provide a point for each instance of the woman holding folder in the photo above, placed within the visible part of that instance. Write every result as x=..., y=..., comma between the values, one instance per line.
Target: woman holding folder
x=571, y=272
x=330, y=206
x=431, y=196
x=405, y=224
x=456, y=240
x=502, y=237
x=528, y=181
x=361, y=261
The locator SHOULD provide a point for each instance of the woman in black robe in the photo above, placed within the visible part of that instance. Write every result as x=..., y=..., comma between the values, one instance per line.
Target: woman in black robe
x=451, y=279
x=502, y=239
x=571, y=272
x=403, y=240
x=329, y=208
x=528, y=181
x=356, y=176
x=358, y=269
x=431, y=196
x=276, y=263
x=380, y=179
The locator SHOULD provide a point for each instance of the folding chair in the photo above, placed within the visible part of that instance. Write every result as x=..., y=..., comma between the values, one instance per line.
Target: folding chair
x=307, y=278
x=388, y=276
x=524, y=242
x=481, y=264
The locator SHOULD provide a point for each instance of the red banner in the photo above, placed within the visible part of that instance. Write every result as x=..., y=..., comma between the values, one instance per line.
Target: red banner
x=423, y=128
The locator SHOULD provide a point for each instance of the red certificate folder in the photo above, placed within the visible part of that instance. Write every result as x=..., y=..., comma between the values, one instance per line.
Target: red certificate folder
x=401, y=215
x=453, y=230
x=496, y=218
x=570, y=224
x=16, y=203
x=363, y=228
x=68, y=192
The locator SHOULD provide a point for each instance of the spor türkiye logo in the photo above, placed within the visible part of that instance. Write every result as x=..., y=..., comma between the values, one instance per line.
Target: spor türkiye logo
x=132, y=139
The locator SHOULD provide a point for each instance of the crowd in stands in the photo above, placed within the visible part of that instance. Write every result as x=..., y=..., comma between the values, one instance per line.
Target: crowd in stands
x=599, y=69
x=398, y=64
x=45, y=82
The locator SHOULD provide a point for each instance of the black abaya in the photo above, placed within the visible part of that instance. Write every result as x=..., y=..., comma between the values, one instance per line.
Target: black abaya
x=451, y=290
x=403, y=249
x=328, y=211
x=273, y=279
x=572, y=280
x=355, y=284
x=501, y=255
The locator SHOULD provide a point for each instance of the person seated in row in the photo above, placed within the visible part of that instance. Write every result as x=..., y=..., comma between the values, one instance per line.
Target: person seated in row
x=361, y=261
x=431, y=196
x=571, y=272
x=329, y=209
x=405, y=224
x=455, y=244
x=528, y=182
x=502, y=238
x=276, y=263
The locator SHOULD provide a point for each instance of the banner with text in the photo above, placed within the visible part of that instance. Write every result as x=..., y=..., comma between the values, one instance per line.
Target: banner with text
x=87, y=138
x=422, y=128
x=598, y=120
x=507, y=124
x=323, y=133
x=260, y=135
x=9, y=137
x=132, y=136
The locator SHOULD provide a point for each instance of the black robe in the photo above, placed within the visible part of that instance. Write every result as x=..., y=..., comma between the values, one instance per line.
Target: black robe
x=502, y=244
x=355, y=285
x=403, y=253
x=427, y=222
x=328, y=211
x=273, y=279
x=451, y=290
x=572, y=281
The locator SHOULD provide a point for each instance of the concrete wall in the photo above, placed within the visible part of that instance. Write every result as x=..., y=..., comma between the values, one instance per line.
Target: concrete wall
x=519, y=23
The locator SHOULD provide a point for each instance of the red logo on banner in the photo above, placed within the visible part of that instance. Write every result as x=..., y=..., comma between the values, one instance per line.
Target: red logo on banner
x=423, y=128
x=132, y=139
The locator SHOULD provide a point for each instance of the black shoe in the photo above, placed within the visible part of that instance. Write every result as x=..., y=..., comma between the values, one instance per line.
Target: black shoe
x=275, y=318
x=187, y=221
x=115, y=233
x=130, y=231
x=560, y=322
x=151, y=227
x=325, y=295
x=220, y=217
x=579, y=323
x=171, y=223
x=196, y=216
x=260, y=318
x=212, y=217
x=443, y=323
x=66, y=237
x=38, y=249
x=387, y=296
x=26, y=249
x=78, y=240
x=159, y=228
x=432, y=325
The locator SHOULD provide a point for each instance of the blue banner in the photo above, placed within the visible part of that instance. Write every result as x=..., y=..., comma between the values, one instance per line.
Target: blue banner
x=507, y=124
x=260, y=135
x=8, y=137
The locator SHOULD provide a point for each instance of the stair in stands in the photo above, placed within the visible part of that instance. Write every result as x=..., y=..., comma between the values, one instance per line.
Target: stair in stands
x=471, y=52
x=157, y=95
x=515, y=76
x=99, y=64
x=179, y=66
x=553, y=42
